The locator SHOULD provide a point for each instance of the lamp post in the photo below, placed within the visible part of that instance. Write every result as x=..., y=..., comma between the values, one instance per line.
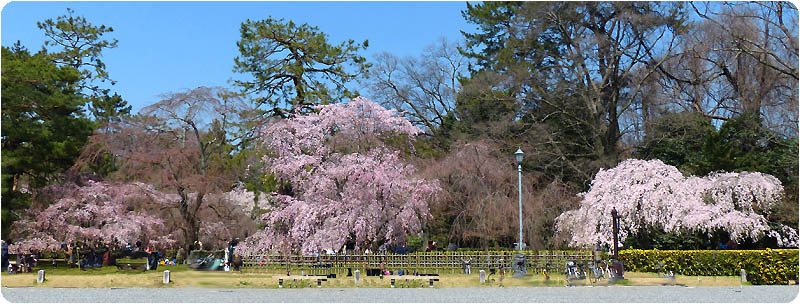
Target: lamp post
x=519, y=154
x=518, y=264
x=617, y=265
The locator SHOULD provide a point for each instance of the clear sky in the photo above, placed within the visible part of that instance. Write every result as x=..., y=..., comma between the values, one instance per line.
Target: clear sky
x=172, y=46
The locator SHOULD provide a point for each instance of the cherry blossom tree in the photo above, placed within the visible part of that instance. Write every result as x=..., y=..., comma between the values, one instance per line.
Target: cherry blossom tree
x=97, y=211
x=346, y=184
x=183, y=145
x=653, y=194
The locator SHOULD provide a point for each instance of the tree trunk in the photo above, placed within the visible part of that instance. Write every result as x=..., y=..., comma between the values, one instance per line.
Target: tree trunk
x=189, y=215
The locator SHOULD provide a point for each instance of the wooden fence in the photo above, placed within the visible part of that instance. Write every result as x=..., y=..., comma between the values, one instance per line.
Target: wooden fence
x=426, y=262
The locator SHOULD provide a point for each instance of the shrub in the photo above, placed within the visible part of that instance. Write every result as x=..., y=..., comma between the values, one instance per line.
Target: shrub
x=770, y=266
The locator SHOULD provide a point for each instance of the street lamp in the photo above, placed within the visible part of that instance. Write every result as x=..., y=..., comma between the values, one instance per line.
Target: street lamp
x=518, y=264
x=519, y=154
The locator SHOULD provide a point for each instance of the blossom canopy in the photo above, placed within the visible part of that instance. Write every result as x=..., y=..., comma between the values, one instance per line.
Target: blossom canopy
x=653, y=194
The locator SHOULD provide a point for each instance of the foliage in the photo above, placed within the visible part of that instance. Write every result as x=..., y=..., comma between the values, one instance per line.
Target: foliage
x=573, y=67
x=97, y=211
x=346, y=184
x=478, y=108
x=678, y=139
x=81, y=45
x=295, y=64
x=652, y=194
x=744, y=144
x=770, y=266
x=109, y=110
x=43, y=125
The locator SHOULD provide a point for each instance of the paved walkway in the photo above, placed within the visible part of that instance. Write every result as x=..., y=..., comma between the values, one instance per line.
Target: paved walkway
x=526, y=294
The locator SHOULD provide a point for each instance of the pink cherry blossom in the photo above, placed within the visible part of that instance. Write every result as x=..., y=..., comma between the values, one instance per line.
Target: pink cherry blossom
x=97, y=211
x=651, y=193
x=347, y=184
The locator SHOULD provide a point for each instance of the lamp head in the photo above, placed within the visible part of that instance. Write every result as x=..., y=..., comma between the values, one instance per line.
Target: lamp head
x=519, y=155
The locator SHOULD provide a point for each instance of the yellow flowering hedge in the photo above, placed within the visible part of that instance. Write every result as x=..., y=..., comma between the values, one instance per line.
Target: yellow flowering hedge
x=770, y=266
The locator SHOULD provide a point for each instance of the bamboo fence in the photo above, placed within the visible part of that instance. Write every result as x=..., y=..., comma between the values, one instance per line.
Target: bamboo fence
x=422, y=262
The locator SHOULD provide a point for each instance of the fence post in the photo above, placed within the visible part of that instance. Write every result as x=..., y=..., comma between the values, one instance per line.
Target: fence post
x=744, y=275
x=357, y=276
x=166, y=277
x=483, y=276
x=40, y=277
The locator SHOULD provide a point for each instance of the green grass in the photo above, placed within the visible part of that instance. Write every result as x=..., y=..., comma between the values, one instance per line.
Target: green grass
x=105, y=270
x=184, y=277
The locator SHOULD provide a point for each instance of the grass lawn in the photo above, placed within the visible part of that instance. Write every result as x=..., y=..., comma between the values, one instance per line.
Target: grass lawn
x=184, y=277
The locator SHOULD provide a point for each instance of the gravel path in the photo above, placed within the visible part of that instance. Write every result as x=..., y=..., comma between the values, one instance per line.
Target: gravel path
x=526, y=294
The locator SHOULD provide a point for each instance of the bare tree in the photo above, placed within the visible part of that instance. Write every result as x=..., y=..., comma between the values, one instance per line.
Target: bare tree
x=741, y=57
x=424, y=87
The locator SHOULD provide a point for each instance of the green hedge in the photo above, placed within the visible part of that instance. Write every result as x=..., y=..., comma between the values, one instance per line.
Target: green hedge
x=770, y=266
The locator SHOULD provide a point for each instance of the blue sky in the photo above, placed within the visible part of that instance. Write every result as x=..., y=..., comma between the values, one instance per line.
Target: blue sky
x=172, y=46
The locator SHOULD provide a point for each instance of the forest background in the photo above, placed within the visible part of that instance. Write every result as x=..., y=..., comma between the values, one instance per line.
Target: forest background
x=578, y=86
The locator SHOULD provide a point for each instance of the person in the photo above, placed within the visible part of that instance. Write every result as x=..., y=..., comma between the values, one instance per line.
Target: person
x=431, y=246
x=149, y=259
x=23, y=263
x=5, y=255
x=466, y=265
x=226, y=261
x=162, y=253
x=154, y=256
x=229, y=253
x=237, y=262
